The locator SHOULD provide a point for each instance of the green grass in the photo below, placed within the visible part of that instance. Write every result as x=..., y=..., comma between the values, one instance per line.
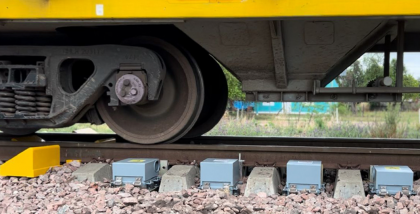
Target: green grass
x=391, y=123
x=379, y=124
x=410, y=117
x=276, y=126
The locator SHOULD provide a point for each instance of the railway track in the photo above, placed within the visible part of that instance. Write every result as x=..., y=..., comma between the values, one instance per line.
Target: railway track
x=333, y=152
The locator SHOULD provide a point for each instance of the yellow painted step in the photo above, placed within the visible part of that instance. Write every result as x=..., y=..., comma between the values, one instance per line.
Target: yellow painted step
x=69, y=161
x=32, y=162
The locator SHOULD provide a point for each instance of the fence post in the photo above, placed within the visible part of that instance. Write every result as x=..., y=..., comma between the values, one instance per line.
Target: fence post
x=336, y=115
x=237, y=113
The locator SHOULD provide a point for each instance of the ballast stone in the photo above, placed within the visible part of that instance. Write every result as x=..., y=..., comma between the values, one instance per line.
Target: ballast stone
x=178, y=178
x=263, y=179
x=93, y=172
x=349, y=183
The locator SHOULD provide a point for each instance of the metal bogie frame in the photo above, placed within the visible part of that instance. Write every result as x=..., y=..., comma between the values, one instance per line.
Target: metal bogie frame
x=68, y=107
x=35, y=78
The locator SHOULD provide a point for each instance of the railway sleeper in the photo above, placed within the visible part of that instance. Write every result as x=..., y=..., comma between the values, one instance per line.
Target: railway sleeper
x=303, y=176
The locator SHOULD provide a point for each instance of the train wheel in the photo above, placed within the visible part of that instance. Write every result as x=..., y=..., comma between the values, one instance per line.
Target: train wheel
x=18, y=132
x=177, y=109
x=215, y=99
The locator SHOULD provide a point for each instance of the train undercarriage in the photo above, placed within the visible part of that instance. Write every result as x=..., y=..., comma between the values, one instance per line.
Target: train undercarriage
x=153, y=83
x=146, y=88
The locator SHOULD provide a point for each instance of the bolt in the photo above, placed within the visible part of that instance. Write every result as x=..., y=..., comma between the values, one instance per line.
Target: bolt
x=122, y=93
x=126, y=82
x=133, y=91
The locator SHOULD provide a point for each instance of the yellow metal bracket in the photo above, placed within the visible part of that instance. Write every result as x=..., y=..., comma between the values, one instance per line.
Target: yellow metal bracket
x=32, y=162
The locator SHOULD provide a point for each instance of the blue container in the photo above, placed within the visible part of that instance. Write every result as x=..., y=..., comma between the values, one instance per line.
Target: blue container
x=133, y=168
x=304, y=175
x=268, y=108
x=241, y=105
x=392, y=179
x=218, y=172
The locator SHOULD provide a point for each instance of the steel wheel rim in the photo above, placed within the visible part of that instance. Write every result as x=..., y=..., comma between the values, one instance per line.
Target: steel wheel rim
x=177, y=109
x=215, y=99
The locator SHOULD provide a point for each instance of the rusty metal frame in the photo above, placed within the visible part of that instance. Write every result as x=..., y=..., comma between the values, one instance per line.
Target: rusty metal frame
x=280, y=69
x=320, y=97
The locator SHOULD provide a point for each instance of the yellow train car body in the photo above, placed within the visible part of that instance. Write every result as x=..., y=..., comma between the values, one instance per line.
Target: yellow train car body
x=185, y=9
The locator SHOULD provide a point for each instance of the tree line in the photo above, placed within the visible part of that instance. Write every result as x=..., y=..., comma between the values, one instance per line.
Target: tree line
x=370, y=68
x=362, y=71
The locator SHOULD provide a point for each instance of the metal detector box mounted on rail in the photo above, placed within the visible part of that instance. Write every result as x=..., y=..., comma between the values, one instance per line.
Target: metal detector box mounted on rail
x=220, y=173
x=141, y=172
x=389, y=180
x=303, y=175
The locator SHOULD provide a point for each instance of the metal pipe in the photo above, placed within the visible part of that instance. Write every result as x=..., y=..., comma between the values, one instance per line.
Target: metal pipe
x=400, y=54
x=386, y=81
x=373, y=90
x=387, y=52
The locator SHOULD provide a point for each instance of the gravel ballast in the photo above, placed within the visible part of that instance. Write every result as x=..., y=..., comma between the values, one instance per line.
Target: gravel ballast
x=58, y=192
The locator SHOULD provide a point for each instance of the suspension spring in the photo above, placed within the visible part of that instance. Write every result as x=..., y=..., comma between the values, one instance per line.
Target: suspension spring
x=43, y=103
x=25, y=102
x=7, y=102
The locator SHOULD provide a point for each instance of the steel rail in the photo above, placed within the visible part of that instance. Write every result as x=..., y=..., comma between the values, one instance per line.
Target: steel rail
x=233, y=140
x=254, y=155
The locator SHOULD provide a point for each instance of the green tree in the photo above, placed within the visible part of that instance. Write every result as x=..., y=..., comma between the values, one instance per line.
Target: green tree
x=408, y=80
x=374, y=69
x=373, y=64
x=354, y=72
x=234, y=86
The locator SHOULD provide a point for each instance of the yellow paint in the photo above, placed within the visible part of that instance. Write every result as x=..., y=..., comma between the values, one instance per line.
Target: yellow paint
x=31, y=138
x=32, y=162
x=181, y=9
x=204, y=1
x=69, y=161
x=136, y=161
x=392, y=167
